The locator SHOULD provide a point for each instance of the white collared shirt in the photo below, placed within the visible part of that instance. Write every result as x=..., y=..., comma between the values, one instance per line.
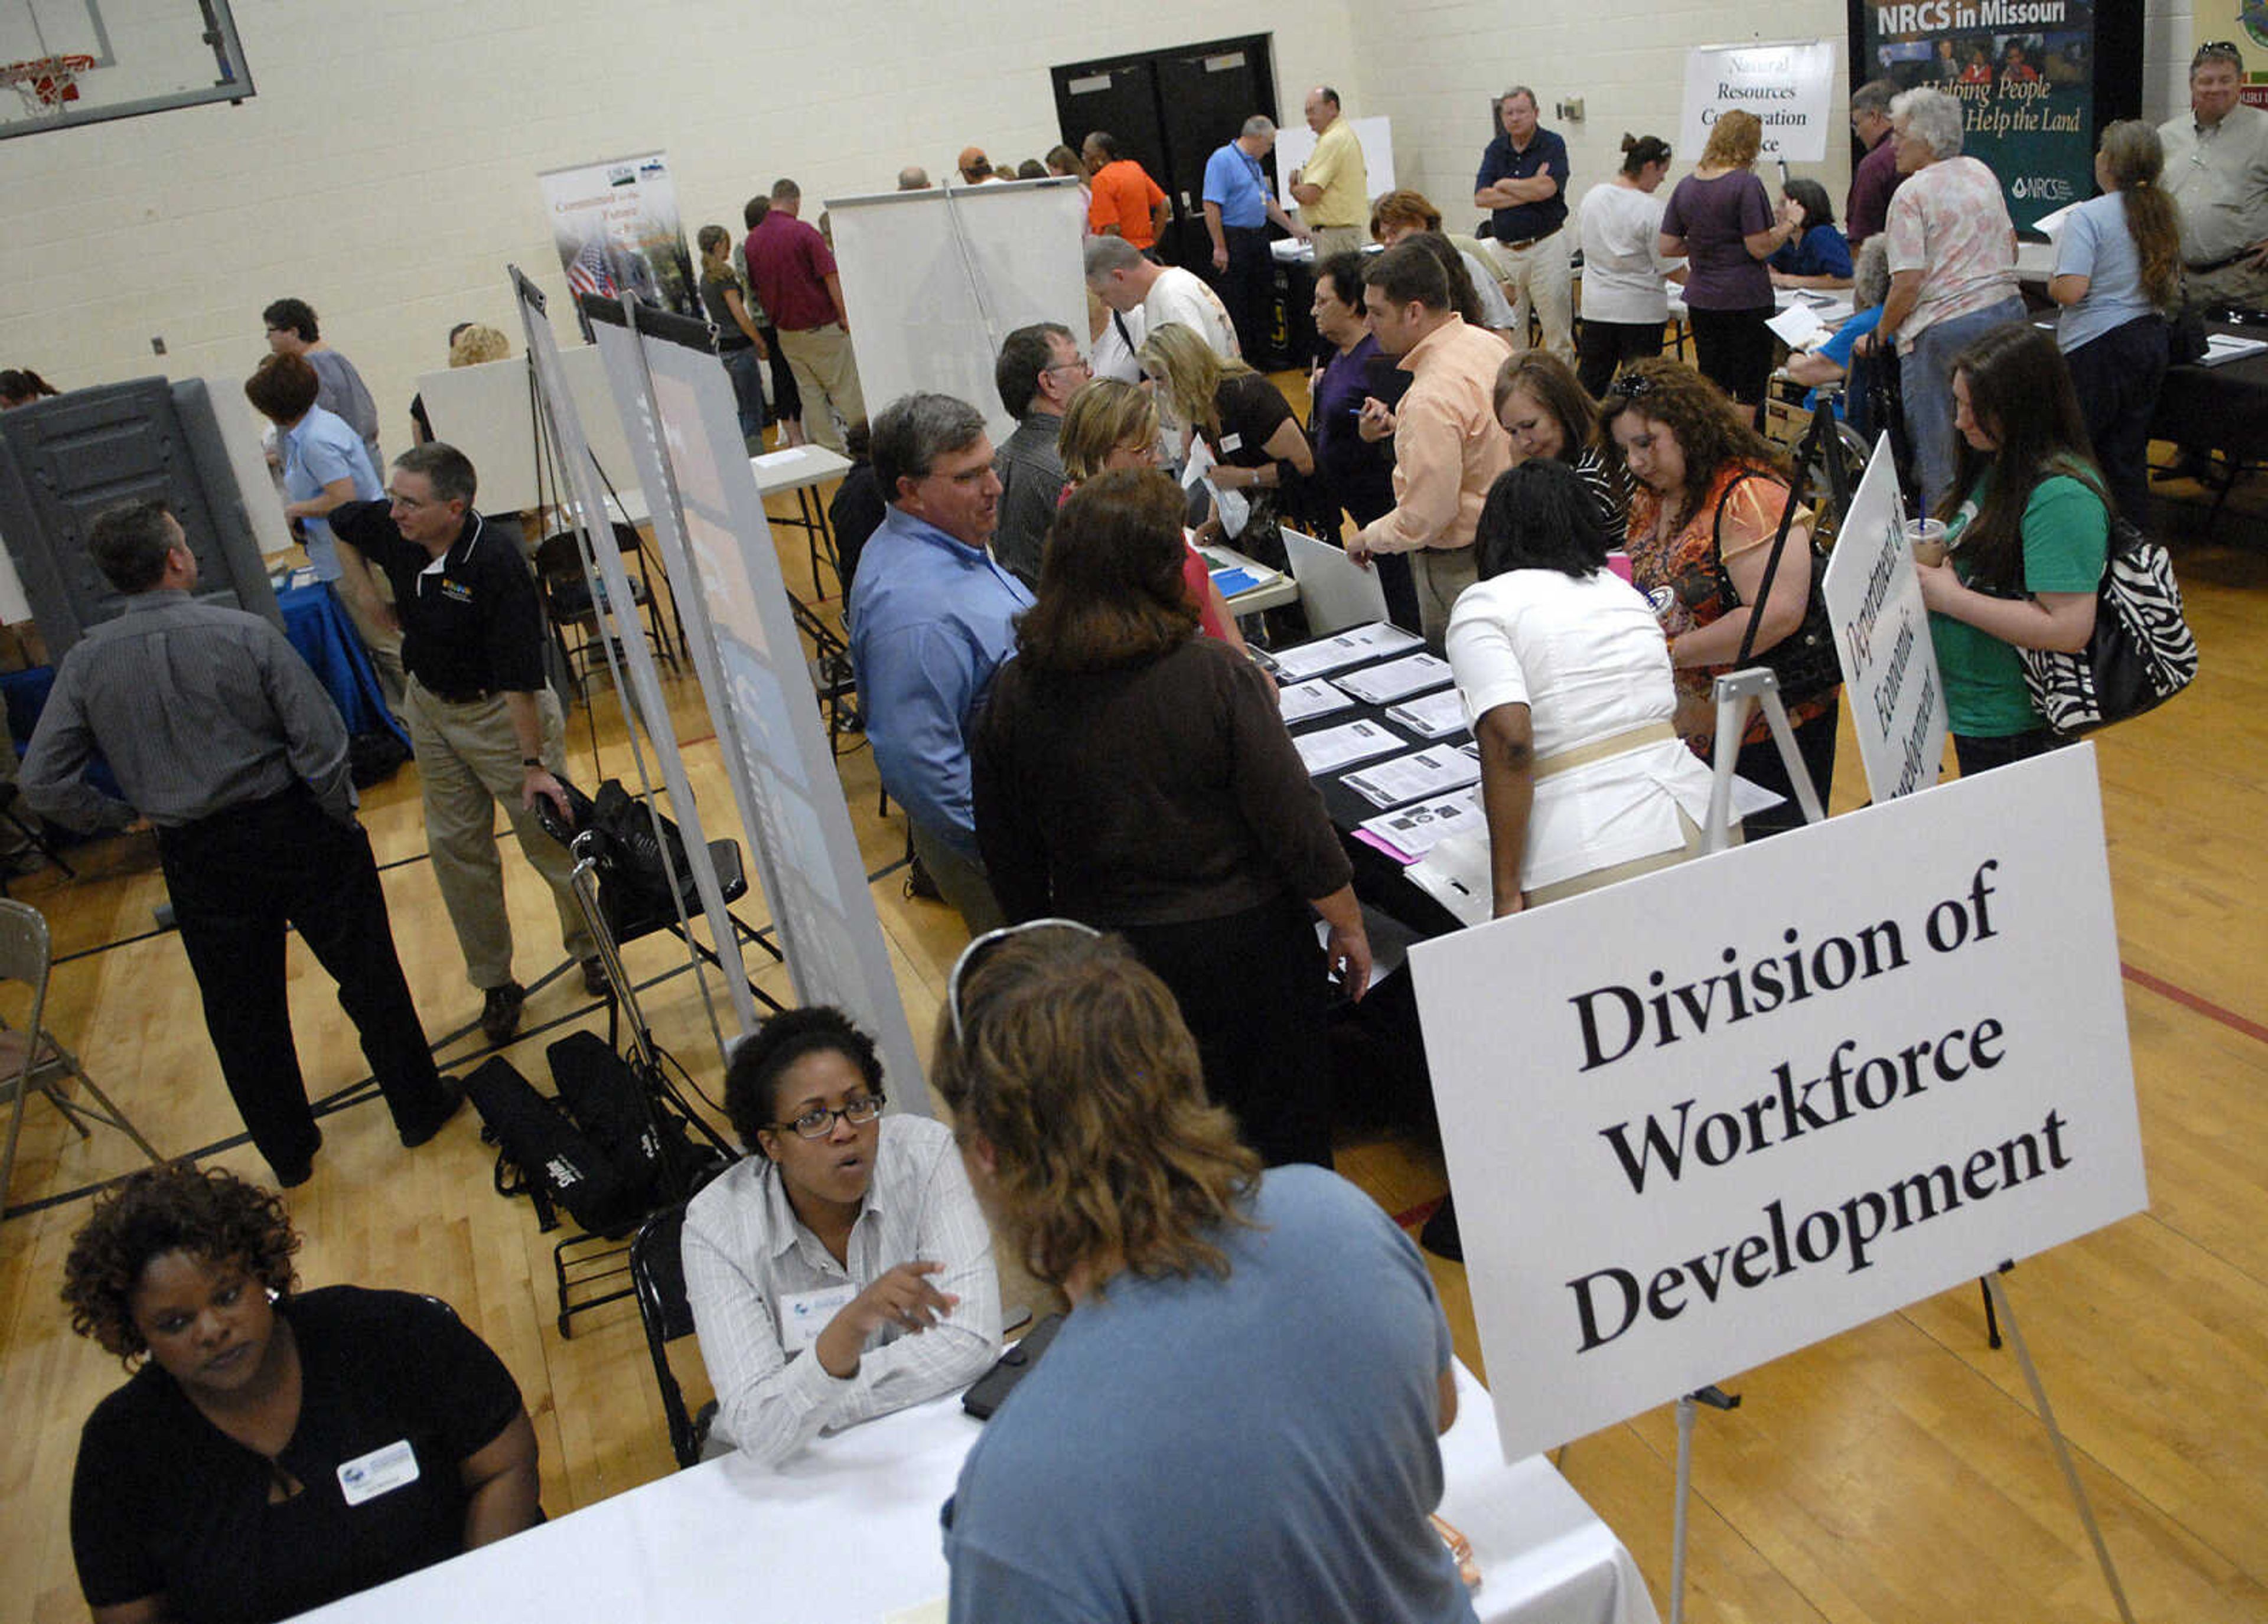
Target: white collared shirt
x=747, y=1259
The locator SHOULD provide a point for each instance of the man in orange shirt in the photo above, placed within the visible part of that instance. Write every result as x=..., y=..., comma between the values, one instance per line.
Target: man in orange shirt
x=1448, y=446
x=1126, y=201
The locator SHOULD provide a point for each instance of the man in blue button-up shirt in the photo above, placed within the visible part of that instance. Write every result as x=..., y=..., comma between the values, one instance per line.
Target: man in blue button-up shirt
x=1237, y=210
x=932, y=617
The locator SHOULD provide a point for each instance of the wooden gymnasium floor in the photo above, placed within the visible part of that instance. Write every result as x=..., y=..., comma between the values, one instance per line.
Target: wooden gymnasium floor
x=1893, y=1475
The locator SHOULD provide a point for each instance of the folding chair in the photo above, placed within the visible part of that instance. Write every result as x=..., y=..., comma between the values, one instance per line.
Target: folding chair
x=30, y=1059
x=657, y=1273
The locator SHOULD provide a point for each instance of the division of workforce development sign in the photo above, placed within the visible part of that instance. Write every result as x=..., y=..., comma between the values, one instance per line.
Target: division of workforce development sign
x=1705, y=1117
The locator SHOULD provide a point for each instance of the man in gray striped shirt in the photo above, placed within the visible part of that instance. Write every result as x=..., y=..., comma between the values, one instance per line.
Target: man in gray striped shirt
x=222, y=736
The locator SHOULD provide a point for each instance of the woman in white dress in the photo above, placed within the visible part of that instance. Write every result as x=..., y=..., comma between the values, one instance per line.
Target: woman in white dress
x=1567, y=680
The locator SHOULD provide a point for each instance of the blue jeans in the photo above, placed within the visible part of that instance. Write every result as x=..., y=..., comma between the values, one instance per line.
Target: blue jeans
x=746, y=373
x=1926, y=377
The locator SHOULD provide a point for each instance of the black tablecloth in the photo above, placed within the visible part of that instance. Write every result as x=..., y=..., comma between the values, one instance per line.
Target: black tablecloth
x=2222, y=408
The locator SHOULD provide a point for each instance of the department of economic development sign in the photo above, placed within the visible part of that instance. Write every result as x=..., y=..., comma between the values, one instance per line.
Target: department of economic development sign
x=1703, y=1118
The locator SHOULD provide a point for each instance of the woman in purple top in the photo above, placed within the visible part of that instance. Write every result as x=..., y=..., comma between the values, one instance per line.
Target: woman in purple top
x=1720, y=220
x=1357, y=473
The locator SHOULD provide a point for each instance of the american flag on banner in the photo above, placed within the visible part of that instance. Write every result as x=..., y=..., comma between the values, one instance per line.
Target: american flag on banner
x=589, y=272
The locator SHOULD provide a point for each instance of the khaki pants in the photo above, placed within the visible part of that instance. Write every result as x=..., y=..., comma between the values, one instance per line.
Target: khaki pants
x=1331, y=239
x=468, y=760
x=827, y=375
x=1441, y=573
x=2227, y=285
x=1538, y=277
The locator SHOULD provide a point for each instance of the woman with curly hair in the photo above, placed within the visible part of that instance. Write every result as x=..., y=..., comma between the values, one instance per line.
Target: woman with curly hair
x=274, y=1450
x=1267, y=1346
x=841, y=1269
x=1707, y=492
x=1133, y=774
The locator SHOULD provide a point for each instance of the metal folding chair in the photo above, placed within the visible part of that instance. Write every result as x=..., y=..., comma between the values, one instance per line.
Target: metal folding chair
x=31, y=1060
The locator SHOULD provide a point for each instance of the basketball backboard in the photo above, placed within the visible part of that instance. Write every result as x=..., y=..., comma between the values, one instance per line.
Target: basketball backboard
x=80, y=62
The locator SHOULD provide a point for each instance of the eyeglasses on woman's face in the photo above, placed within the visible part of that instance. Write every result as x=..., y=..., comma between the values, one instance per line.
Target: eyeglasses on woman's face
x=819, y=1121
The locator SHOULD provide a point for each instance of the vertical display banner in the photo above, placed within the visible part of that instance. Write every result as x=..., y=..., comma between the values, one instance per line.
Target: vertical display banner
x=935, y=279
x=2243, y=24
x=1787, y=85
x=618, y=612
x=617, y=230
x=2025, y=72
x=678, y=412
x=1890, y=684
x=1711, y=1115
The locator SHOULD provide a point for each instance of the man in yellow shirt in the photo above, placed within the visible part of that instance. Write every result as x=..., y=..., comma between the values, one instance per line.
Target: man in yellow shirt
x=1333, y=186
x=1448, y=446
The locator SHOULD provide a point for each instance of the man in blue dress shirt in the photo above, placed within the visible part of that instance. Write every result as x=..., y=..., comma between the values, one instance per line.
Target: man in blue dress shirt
x=932, y=617
x=1237, y=209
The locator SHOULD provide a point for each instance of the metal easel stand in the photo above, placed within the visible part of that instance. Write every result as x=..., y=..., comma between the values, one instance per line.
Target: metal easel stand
x=1736, y=691
x=1996, y=1293
x=1717, y=1398
x=587, y=1268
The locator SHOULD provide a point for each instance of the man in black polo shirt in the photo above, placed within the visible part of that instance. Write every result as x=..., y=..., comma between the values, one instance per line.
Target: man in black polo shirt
x=485, y=727
x=1523, y=183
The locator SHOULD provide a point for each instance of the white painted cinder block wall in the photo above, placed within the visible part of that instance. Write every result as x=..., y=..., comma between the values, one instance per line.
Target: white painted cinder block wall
x=385, y=172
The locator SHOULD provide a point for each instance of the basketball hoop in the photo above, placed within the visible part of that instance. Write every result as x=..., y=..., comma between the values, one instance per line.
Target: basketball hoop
x=46, y=82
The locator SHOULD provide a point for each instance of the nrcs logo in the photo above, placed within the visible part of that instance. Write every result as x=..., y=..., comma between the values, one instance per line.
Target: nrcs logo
x=2046, y=188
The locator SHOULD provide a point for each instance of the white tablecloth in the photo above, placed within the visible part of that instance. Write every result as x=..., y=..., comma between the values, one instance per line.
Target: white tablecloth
x=847, y=1532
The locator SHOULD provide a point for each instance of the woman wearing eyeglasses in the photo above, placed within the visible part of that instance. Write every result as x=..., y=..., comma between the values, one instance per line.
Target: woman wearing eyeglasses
x=1136, y=776
x=842, y=1270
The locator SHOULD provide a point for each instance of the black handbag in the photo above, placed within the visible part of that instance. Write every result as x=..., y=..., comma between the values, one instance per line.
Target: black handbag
x=1804, y=663
x=2141, y=653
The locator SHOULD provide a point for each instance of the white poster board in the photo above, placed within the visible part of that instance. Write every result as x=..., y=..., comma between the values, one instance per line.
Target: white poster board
x=677, y=405
x=617, y=608
x=1703, y=1118
x=1786, y=85
x=1891, y=688
x=486, y=412
x=935, y=280
x=1295, y=144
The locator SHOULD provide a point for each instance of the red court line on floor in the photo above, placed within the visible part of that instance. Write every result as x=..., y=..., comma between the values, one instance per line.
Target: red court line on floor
x=2189, y=1000
x=1418, y=1214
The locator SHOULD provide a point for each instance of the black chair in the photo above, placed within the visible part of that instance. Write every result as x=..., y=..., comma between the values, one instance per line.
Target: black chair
x=657, y=1273
x=568, y=603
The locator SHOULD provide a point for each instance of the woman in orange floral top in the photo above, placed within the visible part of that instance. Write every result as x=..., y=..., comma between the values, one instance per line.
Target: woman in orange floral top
x=1706, y=488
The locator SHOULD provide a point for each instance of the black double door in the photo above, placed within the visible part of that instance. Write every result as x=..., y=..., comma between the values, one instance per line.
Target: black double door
x=1169, y=111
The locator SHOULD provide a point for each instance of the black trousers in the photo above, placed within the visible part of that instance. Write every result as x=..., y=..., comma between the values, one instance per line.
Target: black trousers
x=1255, y=991
x=2117, y=378
x=1732, y=348
x=1982, y=755
x=238, y=879
x=787, y=400
x=1760, y=763
x=1248, y=287
x=1604, y=348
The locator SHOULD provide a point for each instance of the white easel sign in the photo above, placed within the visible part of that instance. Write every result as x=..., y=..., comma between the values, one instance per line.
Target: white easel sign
x=1891, y=688
x=1787, y=85
x=1701, y=1118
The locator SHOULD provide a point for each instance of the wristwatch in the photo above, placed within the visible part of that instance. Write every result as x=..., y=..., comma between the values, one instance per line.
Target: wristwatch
x=531, y=760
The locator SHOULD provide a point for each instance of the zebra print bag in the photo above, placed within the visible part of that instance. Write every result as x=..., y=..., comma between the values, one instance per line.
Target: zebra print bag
x=2140, y=656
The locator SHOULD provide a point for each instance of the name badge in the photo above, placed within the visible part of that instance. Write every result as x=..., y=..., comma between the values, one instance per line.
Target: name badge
x=804, y=1314
x=1230, y=443
x=380, y=1471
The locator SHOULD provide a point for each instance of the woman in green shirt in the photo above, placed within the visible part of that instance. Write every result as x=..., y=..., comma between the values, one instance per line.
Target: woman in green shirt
x=2028, y=526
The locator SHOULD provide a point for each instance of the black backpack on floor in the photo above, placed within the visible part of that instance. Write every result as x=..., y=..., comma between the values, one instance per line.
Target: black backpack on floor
x=544, y=1154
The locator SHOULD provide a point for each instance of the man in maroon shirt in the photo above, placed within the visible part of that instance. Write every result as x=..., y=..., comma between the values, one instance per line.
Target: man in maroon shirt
x=1877, y=175
x=797, y=286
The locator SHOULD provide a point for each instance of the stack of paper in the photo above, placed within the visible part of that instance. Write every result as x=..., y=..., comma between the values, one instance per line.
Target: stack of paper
x=1430, y=716
x=1411, y=778
x=1382, y=685
x=1348, y=648
x=1351, y=741
x=1411, y=832
x=1303, y=701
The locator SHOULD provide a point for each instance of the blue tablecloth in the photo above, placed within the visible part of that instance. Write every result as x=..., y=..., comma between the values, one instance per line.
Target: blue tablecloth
x=317, y=624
